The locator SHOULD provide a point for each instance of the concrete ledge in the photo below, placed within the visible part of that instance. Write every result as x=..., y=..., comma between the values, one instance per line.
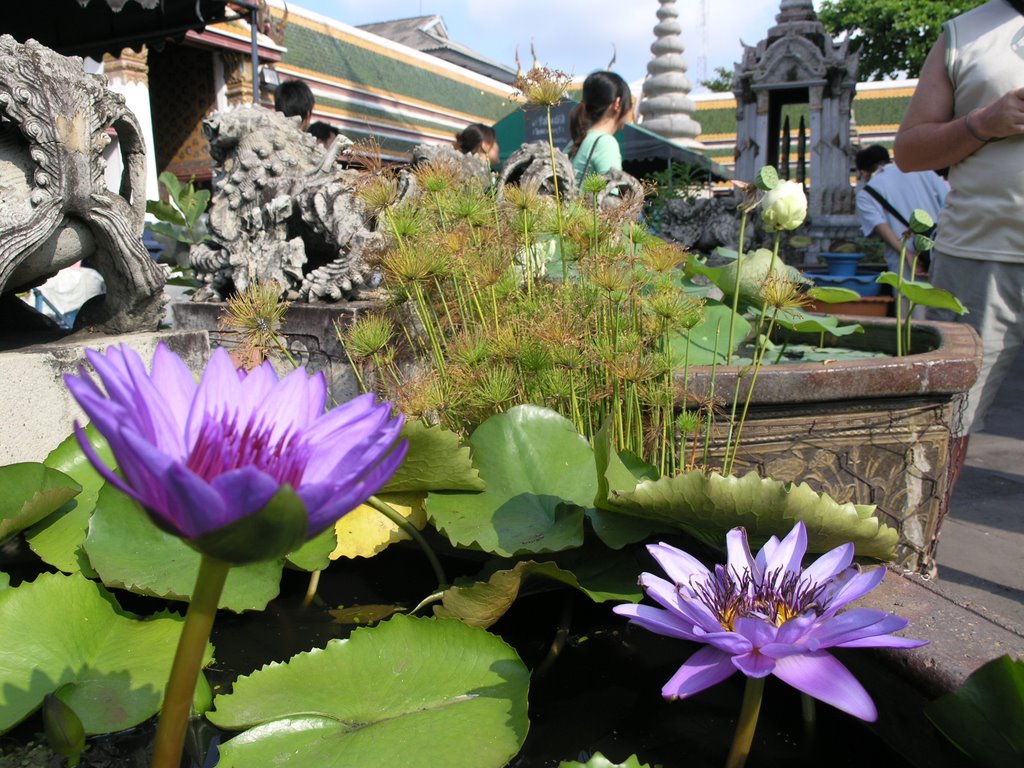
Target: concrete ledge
x=959, y=639
x=37, y=411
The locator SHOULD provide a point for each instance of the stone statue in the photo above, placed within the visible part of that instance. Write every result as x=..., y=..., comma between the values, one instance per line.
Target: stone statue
x=703, y=224
x=531, y=165
x=55, y=207
x=281, y=210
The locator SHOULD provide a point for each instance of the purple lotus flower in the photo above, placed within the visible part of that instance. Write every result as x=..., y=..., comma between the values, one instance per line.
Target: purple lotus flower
x=766, y=615
x=199, y=457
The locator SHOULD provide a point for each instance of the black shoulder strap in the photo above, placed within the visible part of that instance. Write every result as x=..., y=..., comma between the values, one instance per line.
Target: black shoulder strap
x=1018, y=6
x=586, y=165
x=886, y=204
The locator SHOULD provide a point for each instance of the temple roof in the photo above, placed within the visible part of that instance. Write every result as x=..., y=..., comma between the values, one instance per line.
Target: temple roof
x=429, y=34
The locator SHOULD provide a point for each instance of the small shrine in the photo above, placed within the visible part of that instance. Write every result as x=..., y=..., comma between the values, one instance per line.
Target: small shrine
x=793, y=93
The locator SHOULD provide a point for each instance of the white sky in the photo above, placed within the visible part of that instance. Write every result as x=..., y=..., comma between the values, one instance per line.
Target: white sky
x=577, y=36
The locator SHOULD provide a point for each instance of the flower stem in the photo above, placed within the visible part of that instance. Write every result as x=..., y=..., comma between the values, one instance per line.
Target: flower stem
x=391, y=514
x=188, y=662
x=749, y=711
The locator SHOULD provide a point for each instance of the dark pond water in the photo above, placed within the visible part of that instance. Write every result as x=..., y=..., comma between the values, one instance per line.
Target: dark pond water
x=600, y=694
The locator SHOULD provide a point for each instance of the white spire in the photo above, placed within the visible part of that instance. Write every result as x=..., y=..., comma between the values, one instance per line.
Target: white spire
x=665, y=104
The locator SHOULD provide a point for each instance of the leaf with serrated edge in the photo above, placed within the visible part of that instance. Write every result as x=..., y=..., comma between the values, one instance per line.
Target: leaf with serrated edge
x=418, y=693
x=708, y=505
x=130, y=552
x=364, y=531
x=31, y=491
x=60, y=630
x=435, y=461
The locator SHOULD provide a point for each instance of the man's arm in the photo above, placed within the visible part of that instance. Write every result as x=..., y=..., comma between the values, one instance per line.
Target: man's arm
x=888, y=234
x=929, y=137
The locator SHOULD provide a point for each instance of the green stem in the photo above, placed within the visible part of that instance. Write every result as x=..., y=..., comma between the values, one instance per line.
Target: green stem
x=809, y=714
x=736, y=287
x=188, y=662
x=391, y=514
x=558, y=200
x=749, y=711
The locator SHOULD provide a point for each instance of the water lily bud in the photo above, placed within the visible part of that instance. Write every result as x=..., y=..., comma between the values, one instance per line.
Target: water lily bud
x=921, y=222
x=64, y=730
x=785, y=207
x=767, y=178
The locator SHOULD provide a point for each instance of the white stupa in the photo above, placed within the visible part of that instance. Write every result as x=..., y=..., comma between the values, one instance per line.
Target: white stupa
x=665, y=104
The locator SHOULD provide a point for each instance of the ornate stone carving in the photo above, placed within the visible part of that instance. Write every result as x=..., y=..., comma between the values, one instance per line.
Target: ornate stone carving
x=706, y=223
x=281, y=210
x=130, y=67
x=237, y=77
x=56, y=208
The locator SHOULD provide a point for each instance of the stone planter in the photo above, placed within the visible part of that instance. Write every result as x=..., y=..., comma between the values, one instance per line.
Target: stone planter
x=872, y=431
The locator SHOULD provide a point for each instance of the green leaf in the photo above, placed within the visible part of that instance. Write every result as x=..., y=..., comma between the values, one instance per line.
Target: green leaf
x=709, y=339
x=923, y=294
x=58, y=538
x=984, y=718
x=68, y=633
x=417, y=693
x=315, y=554
x=169, y=231
x=165, y=213
x=833, y=295
x=708, y=505
x=597, y=760
x=271, y=533
x=481, y=603
x=436, y=461
x=130, y=552
x=753, y=271
x=170, y=181
x=540, y=475
x=31, y=491
x=63, y=728
x=803, y=322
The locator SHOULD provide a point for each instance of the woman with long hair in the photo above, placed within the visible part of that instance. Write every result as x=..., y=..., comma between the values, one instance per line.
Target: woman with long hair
x=607, y=105
x=478, y=139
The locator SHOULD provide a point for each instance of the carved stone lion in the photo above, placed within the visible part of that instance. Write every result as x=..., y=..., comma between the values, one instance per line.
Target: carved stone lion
x=55, y=207
x=281, y=210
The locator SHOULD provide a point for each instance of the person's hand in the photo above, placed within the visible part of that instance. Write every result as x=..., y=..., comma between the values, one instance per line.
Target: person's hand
x=1003, y=117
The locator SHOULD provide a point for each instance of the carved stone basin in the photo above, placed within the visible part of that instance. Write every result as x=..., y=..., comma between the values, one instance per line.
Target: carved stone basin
x=872, y=431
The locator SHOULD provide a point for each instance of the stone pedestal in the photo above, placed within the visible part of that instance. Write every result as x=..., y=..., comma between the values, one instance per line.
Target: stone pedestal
x=37, y=412
x=309, y=332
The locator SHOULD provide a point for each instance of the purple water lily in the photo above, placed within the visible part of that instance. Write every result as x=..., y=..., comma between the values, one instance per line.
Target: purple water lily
x=200, y=456
x=766, y=615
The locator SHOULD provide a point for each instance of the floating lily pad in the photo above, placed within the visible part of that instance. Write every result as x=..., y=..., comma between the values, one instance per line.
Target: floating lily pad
x=437, y=460
x=31, y=491
x=365, y=531
x=418, y=693
x=540, y=476
x=130, y=552
x=66, y=632
x=708, y=505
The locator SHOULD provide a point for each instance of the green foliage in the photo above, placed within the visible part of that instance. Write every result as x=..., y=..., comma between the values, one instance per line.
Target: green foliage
x=721, y=82
x=180, y=219
x=31, y=492
x=893, y=37
x=407, y=692
x=77, y=648
x=984, y=718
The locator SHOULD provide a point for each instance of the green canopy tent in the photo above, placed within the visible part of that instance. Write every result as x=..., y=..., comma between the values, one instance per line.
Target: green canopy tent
x=643, y=152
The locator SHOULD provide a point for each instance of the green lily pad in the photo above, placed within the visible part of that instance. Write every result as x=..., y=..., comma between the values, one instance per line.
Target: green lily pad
x=66, y=632
x=984, y=718
x=923, y=294
x=436, y=460
x=597, y=760
x=804, y=322
x=833, y=295
x=130, y=552
x=315, y=554
x=31, y=492
x=708, y=505
x=58, y=538
x=540, y=476
x=409, y=692
x=708, y=341
x=753, y=271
